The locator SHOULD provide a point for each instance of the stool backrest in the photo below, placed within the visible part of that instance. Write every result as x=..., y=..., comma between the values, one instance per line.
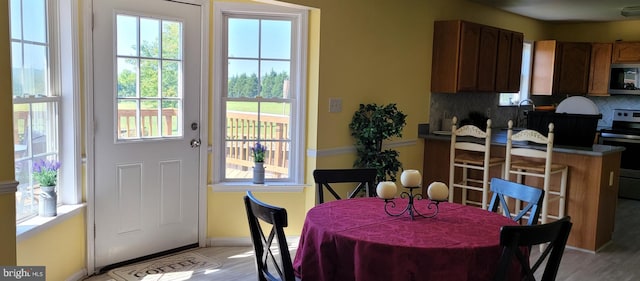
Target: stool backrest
x=526, y=136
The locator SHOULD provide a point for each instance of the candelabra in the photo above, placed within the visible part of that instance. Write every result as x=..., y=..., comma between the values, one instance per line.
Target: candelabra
x=411, y=208
x=411, y=179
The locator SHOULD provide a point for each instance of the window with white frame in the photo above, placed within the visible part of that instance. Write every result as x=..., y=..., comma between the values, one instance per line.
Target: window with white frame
x=38, y=101
x=260, y=93
x=507, y=99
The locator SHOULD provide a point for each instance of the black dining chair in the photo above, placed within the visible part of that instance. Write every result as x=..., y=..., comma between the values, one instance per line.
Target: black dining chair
x=276, y=217
x=526, y=194
x=516, y=238
x=365, y=178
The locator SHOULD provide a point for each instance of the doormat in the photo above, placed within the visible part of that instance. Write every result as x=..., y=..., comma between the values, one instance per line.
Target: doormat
x=177, y=267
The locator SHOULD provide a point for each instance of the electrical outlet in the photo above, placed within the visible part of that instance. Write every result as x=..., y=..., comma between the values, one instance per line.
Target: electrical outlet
x=335, y=104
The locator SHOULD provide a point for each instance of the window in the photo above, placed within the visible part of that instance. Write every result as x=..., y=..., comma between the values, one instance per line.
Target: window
x=525, y=78
x=260, y=92
x=38, y=102
x=149, y=97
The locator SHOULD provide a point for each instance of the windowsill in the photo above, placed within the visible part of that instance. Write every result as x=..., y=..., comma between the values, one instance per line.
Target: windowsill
x=268, y=187
x=39, y=224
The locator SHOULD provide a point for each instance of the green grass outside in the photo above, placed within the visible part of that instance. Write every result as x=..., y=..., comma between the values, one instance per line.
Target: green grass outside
x=267, y=107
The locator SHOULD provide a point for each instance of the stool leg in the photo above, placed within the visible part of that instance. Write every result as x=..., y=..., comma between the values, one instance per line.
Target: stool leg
x=518, y=204
x=545, y=200
x=464, y=189
x=563, y=192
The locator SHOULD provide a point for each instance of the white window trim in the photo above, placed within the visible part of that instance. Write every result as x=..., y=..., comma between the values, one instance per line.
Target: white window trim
x=299, y=73
x=64, y=48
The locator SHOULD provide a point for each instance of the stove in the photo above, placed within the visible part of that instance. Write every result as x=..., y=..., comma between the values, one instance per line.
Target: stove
x=625, y=132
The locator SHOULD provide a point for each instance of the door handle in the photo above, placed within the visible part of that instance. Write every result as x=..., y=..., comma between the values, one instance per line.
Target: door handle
x=195, y=143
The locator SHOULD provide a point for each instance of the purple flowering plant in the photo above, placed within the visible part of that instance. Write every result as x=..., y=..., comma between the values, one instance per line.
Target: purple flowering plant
x=46, y=172
x=258, y=152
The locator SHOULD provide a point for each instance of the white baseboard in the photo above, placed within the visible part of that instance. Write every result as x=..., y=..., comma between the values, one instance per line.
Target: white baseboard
x=80, y=275
x=242, y=241
x=229, y=242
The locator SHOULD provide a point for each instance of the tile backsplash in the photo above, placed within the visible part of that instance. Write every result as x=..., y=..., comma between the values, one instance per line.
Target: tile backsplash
x=445, y=106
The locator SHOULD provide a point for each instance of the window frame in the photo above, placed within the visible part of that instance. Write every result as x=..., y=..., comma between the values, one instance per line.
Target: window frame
x=63, y=38
x=298, y=90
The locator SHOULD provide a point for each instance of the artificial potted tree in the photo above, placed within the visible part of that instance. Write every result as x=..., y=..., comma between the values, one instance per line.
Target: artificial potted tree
x=370, y=126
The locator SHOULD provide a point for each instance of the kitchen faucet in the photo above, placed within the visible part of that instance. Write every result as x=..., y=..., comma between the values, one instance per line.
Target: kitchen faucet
x=518, y=118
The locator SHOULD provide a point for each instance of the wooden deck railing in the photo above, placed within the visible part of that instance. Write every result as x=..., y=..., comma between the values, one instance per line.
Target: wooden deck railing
x=242, y=130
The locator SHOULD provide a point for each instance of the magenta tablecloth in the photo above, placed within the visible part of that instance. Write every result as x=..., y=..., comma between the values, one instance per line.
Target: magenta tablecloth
x=355, y=239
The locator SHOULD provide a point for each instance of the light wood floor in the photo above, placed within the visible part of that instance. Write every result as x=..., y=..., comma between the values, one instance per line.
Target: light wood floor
x=619, y=260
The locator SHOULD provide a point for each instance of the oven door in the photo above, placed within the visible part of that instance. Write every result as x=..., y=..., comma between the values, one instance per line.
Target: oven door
x=629, y=167
x=631, y=143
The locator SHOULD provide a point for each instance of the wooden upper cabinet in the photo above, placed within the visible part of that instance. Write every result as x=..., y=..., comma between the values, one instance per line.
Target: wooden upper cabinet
x=467, y=57
x=509, y=61
x=445, y=59
x=560, y=68
x=487, y=61
x=625, y=52
x=574, y=68
x=599, y=70
x=544, y=59
x=469, y=53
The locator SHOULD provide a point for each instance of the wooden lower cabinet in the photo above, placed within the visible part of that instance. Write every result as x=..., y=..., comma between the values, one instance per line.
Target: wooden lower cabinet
x=592, y=189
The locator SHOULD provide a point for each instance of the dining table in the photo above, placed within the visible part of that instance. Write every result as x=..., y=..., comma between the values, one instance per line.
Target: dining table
x=355, y=239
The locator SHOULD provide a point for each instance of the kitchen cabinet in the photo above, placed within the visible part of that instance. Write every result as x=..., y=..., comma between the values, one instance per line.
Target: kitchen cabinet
x=626, y=52
x=470, y=57
x=509, y=61
x=599, y=69
x=560, y=68
x=592, y=187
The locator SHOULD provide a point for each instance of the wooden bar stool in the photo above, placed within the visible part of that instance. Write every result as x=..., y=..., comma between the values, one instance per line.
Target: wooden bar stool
x=472, y=153
x=536, y=162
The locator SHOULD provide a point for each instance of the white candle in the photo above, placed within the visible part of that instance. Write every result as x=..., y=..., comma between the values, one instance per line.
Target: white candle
x=438, y=191
x=411, y=178
x=386, y=189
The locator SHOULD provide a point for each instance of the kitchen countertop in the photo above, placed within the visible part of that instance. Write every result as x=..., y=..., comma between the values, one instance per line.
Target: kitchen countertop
x=499, y=137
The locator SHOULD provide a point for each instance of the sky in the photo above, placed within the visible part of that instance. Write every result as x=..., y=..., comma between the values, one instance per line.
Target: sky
x=245, y=47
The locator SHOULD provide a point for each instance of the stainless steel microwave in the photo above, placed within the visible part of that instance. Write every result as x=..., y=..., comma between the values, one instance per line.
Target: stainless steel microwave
x=624, y=79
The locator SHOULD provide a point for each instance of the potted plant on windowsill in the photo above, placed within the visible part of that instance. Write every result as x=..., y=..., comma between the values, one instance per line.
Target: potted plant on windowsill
x=45, y=172
x=258, y=152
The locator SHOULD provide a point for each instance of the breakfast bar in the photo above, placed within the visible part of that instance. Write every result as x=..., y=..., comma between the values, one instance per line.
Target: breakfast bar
x=592, y=187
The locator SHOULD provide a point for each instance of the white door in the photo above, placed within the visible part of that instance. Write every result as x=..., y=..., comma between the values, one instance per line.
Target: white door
x=146, y=60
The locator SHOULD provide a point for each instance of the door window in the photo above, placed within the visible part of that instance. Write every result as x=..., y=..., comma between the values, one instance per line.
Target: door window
x=149, y=78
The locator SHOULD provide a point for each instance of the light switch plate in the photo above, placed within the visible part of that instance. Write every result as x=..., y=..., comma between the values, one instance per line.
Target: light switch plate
x=335, y=105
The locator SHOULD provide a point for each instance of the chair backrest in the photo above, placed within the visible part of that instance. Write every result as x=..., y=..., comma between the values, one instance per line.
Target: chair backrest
x=515, y=239
x=276, y=217
x=529, y=136
x=531, y=195
x=365, y=178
